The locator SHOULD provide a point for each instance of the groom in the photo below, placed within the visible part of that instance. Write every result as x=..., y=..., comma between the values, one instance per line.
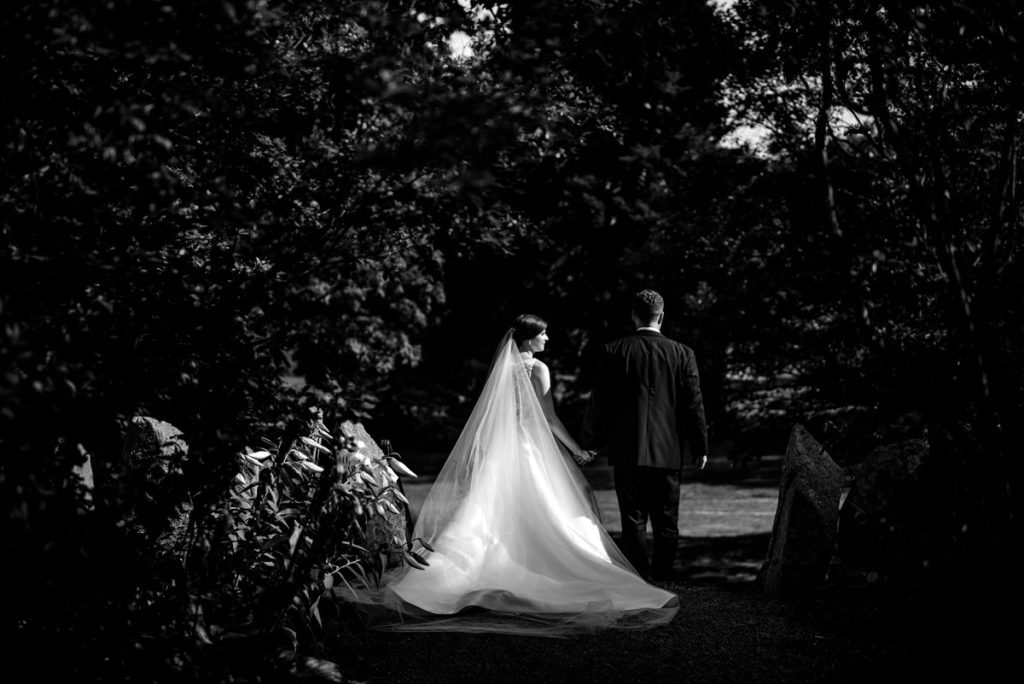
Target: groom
x=646, y=400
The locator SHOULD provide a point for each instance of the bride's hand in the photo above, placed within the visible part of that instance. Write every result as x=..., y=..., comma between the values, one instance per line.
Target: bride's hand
x=584, y=456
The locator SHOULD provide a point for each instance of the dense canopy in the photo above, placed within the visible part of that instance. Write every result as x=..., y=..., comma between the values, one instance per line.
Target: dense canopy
x=225, y=215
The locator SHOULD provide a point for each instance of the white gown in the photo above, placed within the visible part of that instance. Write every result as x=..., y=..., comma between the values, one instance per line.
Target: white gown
x=518, y=545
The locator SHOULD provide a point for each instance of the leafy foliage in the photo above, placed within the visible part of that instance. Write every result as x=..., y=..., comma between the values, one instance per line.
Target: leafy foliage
x=196, y=225
x=263, y=563
x=226, y=214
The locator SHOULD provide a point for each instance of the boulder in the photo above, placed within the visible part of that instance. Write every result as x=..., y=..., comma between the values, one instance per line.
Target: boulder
x=152, y=450
x=151, y=443
x=152, y=462
x=395, y=527
x=83, y=471
x=875, y=518
x=804, y=531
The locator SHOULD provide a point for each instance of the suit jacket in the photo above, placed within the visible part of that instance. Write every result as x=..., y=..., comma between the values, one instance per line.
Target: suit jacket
x=646, y=401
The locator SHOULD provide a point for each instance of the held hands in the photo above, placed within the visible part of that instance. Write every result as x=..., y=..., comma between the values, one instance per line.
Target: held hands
x=584, y=456
x=703, y=462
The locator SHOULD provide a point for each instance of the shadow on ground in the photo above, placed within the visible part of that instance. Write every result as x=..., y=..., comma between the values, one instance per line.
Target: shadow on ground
x=726, y=630
x=721, y=560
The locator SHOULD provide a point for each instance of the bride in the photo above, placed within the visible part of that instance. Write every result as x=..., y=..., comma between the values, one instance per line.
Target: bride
x=517, y=542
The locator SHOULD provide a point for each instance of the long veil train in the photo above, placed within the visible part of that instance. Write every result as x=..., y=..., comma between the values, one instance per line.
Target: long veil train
x=518, y=545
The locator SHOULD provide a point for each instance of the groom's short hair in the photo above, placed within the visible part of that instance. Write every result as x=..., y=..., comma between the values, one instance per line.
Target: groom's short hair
x=647, y=304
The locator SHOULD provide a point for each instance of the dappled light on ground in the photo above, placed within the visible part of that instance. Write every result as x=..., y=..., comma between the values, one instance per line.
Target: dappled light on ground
x=705, y=510
x=724, y=528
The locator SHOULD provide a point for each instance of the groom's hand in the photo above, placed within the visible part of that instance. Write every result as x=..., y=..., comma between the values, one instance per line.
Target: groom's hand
x=584, y=456
x=703, y=462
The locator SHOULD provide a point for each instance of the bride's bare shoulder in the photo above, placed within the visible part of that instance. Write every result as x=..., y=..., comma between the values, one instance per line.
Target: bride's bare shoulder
x=540, y=370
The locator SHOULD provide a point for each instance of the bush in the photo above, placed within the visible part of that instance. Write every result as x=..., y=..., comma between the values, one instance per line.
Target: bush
x=237, y=590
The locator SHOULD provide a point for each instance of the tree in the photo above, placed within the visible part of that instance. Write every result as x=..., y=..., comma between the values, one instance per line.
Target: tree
x=221, y=216
x=912, y=156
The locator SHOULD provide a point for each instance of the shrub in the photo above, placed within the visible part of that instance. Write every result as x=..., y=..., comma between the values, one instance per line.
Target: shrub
x=235, y=589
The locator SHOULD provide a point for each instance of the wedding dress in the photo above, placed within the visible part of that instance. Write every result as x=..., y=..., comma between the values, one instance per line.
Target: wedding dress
x=517, y=543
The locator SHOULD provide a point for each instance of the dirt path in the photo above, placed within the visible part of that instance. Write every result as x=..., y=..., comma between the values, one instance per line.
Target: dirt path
x=725, y=632
x=849, y=630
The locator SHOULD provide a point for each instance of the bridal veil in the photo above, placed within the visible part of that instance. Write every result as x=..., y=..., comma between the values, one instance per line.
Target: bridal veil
x=518, y=545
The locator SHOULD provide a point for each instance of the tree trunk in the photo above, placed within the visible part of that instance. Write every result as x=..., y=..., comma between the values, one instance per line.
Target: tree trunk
x=862, y=312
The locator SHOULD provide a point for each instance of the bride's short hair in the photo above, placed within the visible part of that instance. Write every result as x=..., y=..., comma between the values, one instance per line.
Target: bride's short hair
x=526, y=326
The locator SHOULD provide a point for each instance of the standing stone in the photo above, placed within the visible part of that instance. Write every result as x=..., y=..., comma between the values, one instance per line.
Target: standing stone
x=394, y=526
x=154, y=457
x=804, y=531
x=153, y=446
x=83, y=471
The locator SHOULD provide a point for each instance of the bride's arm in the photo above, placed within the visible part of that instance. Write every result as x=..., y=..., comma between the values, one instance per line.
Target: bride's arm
x=541, y=379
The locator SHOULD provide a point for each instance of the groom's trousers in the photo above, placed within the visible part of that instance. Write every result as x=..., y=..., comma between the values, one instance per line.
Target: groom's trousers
x=649, y=493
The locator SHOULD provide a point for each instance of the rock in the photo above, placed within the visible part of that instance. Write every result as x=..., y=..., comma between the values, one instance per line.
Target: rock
x=875, y=516
x=310, y=668
x=153, y=460
x=395, y=527
x=804, y=531
x=84, y=472
x=151, y=442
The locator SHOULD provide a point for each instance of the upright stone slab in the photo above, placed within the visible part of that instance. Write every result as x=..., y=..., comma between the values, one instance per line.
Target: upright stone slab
x=154, y=446
x=84, y=473
x=394, y=526
x=155, y=453
x=804, y=531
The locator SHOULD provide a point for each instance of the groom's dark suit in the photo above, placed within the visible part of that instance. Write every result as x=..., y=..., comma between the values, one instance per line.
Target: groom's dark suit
x=646, y=401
